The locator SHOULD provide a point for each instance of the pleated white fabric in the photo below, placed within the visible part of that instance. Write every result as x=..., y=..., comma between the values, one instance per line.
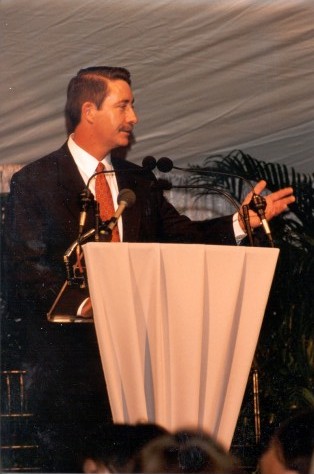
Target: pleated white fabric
x=177, y=327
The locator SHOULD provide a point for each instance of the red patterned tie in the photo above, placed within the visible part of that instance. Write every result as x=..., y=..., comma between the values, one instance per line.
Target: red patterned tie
x=104, y=198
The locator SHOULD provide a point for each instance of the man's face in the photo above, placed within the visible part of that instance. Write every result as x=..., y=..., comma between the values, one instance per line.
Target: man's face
x=114, y=121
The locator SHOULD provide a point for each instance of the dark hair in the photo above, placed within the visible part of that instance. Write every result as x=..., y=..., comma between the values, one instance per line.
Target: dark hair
x=114, y=445
x=294, y=441
x=186, y=452
x=90, y=84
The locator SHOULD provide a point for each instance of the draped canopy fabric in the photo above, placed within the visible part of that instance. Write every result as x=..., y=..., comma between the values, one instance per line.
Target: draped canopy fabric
x=208, y=75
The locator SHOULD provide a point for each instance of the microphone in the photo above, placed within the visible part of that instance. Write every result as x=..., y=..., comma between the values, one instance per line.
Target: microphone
x=257, y=203
x=86, y=198
x=149, y=163
x=165, y=165
x=126, y=198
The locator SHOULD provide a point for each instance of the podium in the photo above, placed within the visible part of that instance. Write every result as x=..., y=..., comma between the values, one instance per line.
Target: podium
x=177, y=327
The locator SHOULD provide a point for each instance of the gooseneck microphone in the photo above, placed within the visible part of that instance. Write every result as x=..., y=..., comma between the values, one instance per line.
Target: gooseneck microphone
x=86, y=198
x=165, y=165
x=166, y=185
x=257, y=203
x=126, y=198
x=149, y=163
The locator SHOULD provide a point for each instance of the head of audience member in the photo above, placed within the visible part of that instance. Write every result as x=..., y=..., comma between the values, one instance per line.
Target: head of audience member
x=291, y=448
x=184, y=451
x=110, y=448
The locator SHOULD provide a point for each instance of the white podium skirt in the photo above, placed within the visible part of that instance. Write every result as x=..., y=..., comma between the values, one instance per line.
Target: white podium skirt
x=177, y=327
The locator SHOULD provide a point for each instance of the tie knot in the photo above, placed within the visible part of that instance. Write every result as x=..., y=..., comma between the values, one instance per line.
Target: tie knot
x=100, y=167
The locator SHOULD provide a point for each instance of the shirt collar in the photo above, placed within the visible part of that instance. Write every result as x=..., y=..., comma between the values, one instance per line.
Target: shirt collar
x=84, y=160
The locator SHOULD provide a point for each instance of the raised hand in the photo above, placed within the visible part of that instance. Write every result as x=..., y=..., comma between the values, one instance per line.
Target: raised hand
x=276, y=203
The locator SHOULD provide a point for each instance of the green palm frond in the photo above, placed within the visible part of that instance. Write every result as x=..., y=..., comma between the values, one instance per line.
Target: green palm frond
x=276, y=175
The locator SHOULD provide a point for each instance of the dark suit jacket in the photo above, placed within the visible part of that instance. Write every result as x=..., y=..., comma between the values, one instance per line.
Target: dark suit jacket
x=42, y=220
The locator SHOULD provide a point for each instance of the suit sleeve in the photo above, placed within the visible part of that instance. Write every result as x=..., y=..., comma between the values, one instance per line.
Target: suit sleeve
x=171, y=226
x=33, y=279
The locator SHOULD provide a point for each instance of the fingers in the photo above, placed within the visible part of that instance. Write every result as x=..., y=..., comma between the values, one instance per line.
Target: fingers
x=278, y=202
x=260, y=186
x=276, y=195
x=283, y=193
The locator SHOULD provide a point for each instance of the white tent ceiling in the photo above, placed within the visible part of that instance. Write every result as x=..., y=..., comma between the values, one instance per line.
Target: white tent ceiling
x=208, y=76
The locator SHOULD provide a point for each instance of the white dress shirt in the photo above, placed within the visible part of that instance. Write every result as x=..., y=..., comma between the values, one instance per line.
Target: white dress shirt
x=87, y=165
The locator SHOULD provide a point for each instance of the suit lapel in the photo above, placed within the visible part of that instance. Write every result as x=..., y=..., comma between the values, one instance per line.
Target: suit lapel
x=71, y=185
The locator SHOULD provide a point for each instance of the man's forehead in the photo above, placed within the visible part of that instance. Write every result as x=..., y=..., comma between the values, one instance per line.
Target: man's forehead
x=119, y=90
x=115, y=85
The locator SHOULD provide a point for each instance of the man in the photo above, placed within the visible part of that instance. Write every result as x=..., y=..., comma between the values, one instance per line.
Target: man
x=65, y=379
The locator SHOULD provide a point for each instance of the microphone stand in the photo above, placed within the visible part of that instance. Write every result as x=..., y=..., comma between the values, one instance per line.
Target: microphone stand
x=72, y=279
x=257, y=203
x=211, y=191
x=246, y=221
x=97, y=221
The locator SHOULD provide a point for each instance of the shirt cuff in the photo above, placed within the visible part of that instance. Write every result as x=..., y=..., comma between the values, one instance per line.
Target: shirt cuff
x=239, y=234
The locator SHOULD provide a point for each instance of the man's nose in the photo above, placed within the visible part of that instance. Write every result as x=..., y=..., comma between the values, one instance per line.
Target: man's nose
x=132, y=118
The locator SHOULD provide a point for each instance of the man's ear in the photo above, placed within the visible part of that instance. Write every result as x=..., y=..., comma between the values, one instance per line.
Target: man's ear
x=88, y=111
